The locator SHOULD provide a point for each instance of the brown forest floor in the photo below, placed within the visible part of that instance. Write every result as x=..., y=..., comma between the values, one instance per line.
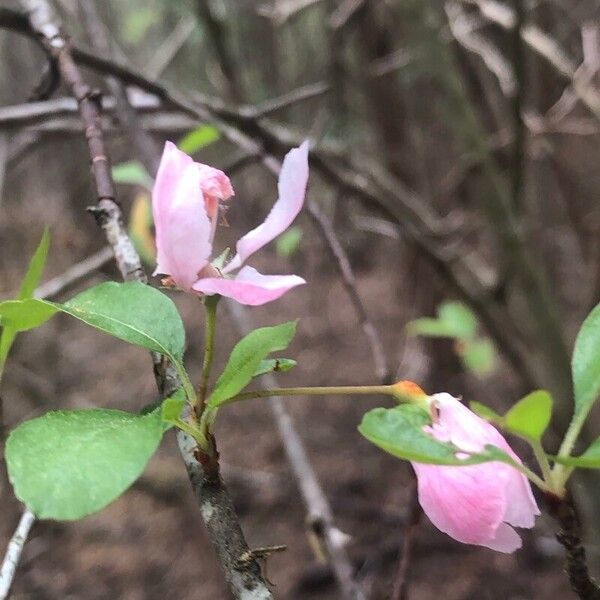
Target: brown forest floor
x=150, y=544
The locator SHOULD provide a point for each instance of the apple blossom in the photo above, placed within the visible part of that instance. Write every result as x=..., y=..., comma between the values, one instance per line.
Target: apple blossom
x=474, y=504
x=185, y=202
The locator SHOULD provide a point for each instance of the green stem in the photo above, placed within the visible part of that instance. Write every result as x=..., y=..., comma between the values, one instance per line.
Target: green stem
x=542, y=461
x=342, y=390
x=186, y=383
x=535, y=479
x=571, y=436
x=561, y=472
x=210, y=323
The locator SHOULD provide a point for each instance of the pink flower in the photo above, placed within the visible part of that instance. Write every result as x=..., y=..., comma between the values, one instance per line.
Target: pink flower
x=185, y=202
x=475, y=504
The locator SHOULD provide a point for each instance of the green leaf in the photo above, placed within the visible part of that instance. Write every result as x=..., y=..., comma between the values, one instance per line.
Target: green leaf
x=36, y=267
x=137, y=23
x=590, y=459
x=28, y=285
x=245, y=359
x=399, y=431
x=72, y=463
x=133, y=312
x=23, y=315
x=198, y=138
x=460, y=316
x=132, y=173
x=530, y=417
x=171, y=407
x=288, y=242
x=455, y=320
x=219, y=262
x=586, y=363
x=485, y=412
x=430, y=328
x=478, y=356
x=277, y=365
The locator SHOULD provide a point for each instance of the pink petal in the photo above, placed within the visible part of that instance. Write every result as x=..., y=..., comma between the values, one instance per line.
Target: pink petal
x=182, y=225
x=521, y=507
x=470, y=432
x=214, y=183
x=172, y=164
x=292, y=189
x=463, y=427
x=249, y=286
x=506, y=540
x=467, y=503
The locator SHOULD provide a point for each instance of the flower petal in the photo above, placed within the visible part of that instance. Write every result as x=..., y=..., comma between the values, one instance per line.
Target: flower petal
x=505, y=540
x=521, y=507
x=249, y=287
x=182, y=225
x=173, y=162
x=292, y=189
x=467, y=503
x=214, y=182
x=470, y=432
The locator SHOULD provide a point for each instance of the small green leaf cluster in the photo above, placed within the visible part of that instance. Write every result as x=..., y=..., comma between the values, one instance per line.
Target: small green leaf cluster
x=457, y=321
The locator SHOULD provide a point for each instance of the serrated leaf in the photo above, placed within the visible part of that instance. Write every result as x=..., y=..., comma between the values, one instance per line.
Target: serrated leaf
x=530, y=417
x=590, y=459
x=246, y=357
x=399, y=431
x=66, y=465
x=585, y=363
x=198, y=138
x=288, y=242
x=277, y=365
x=132, y=173
x=478, y=356
x=131, y=311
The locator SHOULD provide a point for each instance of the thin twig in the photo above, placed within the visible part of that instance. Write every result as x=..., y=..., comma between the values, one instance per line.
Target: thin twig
x=99, y=38
x=332, y=243
x=170, y=47
x=519, y=158
x=14, y=552
x=216, y=32
x=545, y=46
x=75, y=274
x=320, y=517
x=245, y=580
